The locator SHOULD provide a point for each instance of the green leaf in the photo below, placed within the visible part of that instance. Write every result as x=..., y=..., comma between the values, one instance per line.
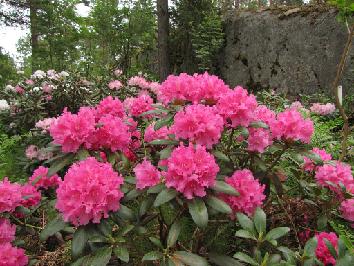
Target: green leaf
x=190, y=258
x=125, y=213
x=221, y=156
x=122, y=253
x=223, y=187
x=218, y=205
x=165, y=153
x=52, y=227
x=101, y=257
x=245, y=234
x=82, y=154
x=223, y=260
x=245, y=222
x=60, y=164
x=199, y=212
x=260, y=221
x=310, y=247
x=288, y=253
x=165, y=196
x=331, y=248
x=173, y=234
x=126, y=229
x=345, y=261
x=156, y=242
x=152, y=255
x=156, y=189
x=322, y=222
x=132, y=194
x=259, y=124
x=79, y=242
x=163, y=122
x=146, y=205
x=155, y=111
x=245, y=258
x=277, y=233
x=163, y=142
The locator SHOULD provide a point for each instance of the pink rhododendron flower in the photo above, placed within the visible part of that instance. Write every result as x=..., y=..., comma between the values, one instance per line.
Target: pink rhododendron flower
x=110, y=106
x=332, y=176
x=19, y=89
x=290, y=125
x=237, y=107
x=131, y=156
x=259, y=139
x=191, y=170
x=44, y=154
x=47, y=88
x=31, y=152
x=199, y=123
x=323, y=109
x=10, y=196
x=251, y=192
x=112, y=134
x=140, y=104
x=139, y=82
x=347, y=210
x=309, y=165
x=30, y=196
x=154, y=87
x=296, y=105
x=150, y=133
x=210, y=87
x=45, y=124
x=72, y=130
x=146, y=174
x=29, y=82
x=322, y=252
x=12, y=256
x=7, y=231
x=179, y=88
x=90, y=190
x=115, y=84
x=40, y=178
x=48, y=97
x=118, y=72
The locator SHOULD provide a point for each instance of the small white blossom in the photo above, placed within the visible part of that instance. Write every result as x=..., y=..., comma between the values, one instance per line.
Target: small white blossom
x=4, y=105
x=39, y=74
x=9, y=88
x=64, y=74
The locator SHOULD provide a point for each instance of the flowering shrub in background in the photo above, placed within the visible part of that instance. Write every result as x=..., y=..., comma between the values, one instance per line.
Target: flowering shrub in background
x=191, y=145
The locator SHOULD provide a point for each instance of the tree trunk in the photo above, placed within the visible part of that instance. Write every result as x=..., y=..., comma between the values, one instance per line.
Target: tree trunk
x=163, y=32
x=34, y=33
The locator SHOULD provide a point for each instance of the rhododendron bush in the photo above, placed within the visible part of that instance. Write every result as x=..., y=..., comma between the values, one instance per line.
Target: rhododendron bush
x=166, y=163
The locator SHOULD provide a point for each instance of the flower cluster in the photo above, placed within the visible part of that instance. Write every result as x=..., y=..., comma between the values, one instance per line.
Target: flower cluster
x=10, y=198
x=146, y=175
x=7, y=231
x=115, y=85
x=198, y=123
x=347, y=209
x=45, y=124
x=152, y=134
x=191, y=170
x=141, y=104
x=40, y=178
x=322, y=252
x=139, y=82
x=12, y=256
x=250, y=190
x=323, y=109
x=89, y=191
x=309, y=164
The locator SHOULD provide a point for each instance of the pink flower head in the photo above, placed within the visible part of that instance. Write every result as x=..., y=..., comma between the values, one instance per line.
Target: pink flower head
x=45, y=124
x=115, y=85
x=31, y=152
x=12, y=256
x=72, y=130
x=90, y=190
x=19, y=89
x=30, y=196
x=112, y=134
x=110, y=106
x=118, y=72
x=237, y=107
x=266, y=116
x=332, y=176
x=323, y=109
x=347, y=209
x=179, y=88
x=308, y=163
x=259, y=139
x=146, y=174
x=150, y=133
x=290, y=125
x=47, y=88
x=251, y=192
x=296, y=105
x=199, y=123
x=154, y=87
x=210, y=87
x=29, y=82
x=140, y=104
x=191, y=170
x=40, y=178
x=10, y=196
x=7, y=231
x=44, y=154
x=139, y=81
x=322, y=252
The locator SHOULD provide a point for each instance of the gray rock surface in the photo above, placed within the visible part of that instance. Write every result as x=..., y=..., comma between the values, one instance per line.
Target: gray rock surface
x=293, y=53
